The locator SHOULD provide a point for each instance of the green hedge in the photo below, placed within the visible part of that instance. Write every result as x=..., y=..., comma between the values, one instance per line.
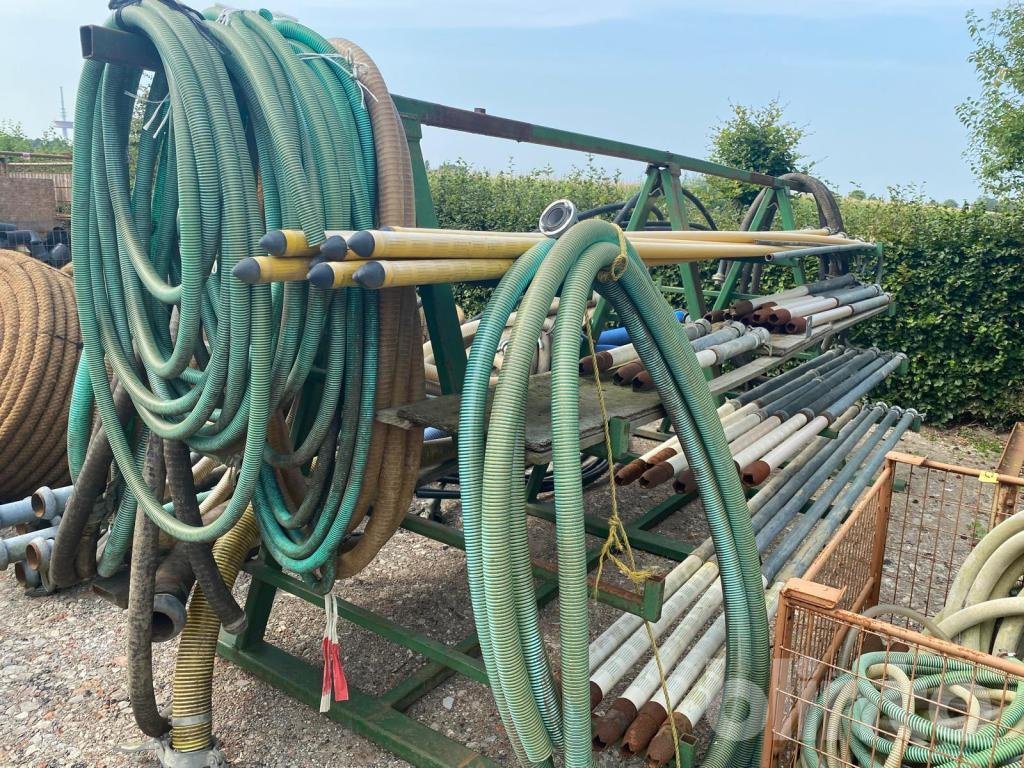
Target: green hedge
x=957, y=276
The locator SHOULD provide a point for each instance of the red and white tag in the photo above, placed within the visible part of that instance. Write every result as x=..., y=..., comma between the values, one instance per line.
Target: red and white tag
x=334, y=681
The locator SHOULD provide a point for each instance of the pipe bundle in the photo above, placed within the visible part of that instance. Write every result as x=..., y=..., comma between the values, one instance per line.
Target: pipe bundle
x=832, y=471
x=772, y=423
x=799, y=310
x=396, y=256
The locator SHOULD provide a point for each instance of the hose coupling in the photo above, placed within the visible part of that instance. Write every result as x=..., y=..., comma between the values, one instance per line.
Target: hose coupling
x=557, y=218
x=169, y=757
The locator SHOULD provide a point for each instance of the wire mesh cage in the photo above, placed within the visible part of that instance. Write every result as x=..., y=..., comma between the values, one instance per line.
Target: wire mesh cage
x=850, y=690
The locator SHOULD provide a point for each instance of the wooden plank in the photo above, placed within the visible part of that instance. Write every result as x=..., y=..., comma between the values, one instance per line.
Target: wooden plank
x=622, y=402
x=637, y=408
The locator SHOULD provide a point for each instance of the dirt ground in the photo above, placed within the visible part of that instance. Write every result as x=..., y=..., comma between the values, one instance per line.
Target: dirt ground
x=63, y=686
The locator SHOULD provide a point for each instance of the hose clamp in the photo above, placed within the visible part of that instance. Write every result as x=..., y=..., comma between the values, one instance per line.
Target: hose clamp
x=169, y=757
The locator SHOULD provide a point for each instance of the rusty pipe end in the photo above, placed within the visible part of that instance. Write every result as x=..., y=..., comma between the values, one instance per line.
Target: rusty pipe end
x=660, y=473
x=37, y=554
x=631, y=472
x=613, y=724
x=644, y=727
x=643, y=382
x=715, y=315
x=624, y=375
x=780, y=316
x=796, y=325
x=168, y=617
x=27, y=576
x=44, y=503
x=685, y=483
x=756, y=473
x=663, y=455
x=663, y=748
x=596, y=694
x=741, y=308
x=604, y=362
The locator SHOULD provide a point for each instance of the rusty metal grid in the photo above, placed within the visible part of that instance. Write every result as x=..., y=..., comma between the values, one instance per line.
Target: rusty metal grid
x=902, y=544
x=880, y=688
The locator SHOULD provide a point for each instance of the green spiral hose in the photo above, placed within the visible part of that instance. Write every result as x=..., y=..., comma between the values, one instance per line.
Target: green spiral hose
x=859, y=700
x=247, y=109
x=498, y=557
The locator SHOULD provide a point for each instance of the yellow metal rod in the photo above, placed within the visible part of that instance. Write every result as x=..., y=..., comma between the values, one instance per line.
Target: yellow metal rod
x=391, y=274
x=405, y=242
x=257, y=270
x=335, y=274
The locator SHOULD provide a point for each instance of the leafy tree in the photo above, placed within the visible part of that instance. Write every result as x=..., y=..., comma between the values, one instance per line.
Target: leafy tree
x=858, y=194
x=995, y=118
x=757, y=139
x=14, y=138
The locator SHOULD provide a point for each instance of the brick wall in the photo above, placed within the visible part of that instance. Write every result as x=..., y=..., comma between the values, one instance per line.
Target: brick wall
x=29, y=203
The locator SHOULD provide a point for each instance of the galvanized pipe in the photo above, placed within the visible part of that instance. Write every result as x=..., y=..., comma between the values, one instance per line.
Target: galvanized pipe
x=13, y=549
x=47, y=503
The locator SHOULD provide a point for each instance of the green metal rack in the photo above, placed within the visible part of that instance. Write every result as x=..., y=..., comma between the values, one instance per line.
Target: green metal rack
x=383, y=718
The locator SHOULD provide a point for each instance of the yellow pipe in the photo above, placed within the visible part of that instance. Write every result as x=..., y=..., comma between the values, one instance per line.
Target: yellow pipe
x=391, y=274
x=256, y=270
x=191, y=704
x=335, y=274
x=405, y=242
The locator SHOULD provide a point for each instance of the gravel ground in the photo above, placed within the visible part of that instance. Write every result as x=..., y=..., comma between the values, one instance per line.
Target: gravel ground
x=63, y=658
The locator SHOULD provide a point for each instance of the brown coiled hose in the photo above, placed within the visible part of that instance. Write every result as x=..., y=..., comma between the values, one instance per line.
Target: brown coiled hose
x=39, y=349
x=394, y=457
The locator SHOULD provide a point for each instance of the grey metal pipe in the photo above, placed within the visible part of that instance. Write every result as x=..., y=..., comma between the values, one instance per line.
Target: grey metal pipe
x=799, y=533
x=775, y=382
x=731, y=331
x=865, y=386
x=13, y=549
x=806, y=482
x=819, y=387
x=16, y=512
x=841, y=386
x=819, y=538
x=47, y=503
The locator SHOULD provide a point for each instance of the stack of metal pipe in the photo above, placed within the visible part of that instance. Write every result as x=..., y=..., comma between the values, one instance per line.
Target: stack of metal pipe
x=800, y=310
x=713, y=347
x=832, y=472
x=772, y=423
x=36, y=520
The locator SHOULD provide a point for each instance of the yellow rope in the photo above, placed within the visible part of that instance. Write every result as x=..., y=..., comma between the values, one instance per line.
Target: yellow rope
x=618, y=540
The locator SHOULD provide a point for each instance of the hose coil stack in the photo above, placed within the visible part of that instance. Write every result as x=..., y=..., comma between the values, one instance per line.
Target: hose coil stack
x=39, y=349
x=247, y=109
x=593, y=254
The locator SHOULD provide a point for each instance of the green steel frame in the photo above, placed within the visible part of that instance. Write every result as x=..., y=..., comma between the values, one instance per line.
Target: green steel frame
x=382, y=719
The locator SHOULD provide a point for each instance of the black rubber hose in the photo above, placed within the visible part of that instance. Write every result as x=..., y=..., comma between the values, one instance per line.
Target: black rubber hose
x=700, y=207
x=92, y=482
x=174, y=580
x=200, y=555
x=141, y=586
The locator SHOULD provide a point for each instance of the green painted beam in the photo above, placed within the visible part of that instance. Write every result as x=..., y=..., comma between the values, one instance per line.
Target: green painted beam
x=364, y=714
x=432, y=649
x=483, y=124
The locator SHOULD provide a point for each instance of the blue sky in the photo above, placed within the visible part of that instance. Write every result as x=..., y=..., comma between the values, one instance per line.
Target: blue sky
x=875, y=82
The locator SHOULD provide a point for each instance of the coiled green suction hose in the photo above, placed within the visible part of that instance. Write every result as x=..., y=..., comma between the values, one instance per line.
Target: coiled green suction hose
x=857, y=699
x=247, y=108
x=498, y=558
